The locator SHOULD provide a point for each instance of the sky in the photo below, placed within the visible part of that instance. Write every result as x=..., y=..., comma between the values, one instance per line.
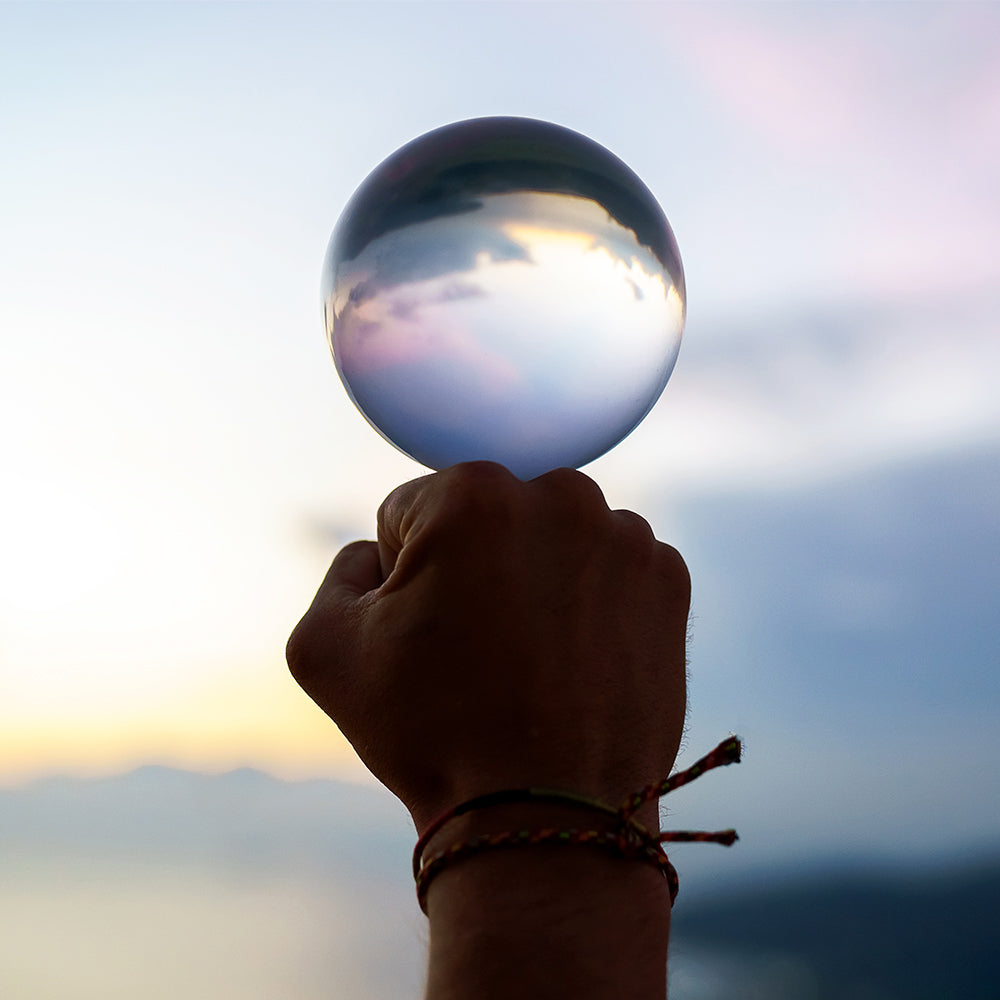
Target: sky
x=180, y=461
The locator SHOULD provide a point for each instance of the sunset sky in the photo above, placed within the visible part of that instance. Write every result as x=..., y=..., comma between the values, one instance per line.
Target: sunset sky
x=180, y=461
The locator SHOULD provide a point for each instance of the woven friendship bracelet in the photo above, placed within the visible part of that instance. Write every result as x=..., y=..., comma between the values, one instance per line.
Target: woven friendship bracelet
x=627, y=839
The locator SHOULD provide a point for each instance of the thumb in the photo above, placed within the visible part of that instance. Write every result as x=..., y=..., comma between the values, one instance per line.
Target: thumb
x=311, y=650
x=353, y=572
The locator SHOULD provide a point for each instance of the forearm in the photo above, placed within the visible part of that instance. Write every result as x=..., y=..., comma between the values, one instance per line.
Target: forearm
x=547, y=920
x=504, y=635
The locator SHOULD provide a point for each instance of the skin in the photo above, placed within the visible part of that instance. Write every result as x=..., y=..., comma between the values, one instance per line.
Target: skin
x=502, y=634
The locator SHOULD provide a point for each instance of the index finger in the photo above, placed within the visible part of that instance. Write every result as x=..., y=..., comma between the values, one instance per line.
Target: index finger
x=447, y=496
x=395, y=519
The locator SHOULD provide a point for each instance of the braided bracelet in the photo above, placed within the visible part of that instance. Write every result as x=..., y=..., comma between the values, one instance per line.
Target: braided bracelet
x=628, y=839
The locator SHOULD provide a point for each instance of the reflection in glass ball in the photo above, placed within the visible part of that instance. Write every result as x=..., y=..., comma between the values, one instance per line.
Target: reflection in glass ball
x=503, y=289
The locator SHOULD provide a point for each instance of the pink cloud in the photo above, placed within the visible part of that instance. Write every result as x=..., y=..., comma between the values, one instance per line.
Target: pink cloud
x=894, y=108
x=821, y=81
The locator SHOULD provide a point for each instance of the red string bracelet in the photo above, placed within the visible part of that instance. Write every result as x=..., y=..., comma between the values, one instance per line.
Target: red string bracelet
x=628, y=838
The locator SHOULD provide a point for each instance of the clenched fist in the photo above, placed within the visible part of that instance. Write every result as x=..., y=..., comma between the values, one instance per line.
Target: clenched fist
x=502, y=634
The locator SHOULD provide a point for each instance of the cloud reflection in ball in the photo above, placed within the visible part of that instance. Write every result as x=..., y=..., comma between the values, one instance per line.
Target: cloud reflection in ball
x=503, y=289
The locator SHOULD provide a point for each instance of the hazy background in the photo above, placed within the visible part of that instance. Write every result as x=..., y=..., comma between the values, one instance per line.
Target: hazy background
x=179, y=461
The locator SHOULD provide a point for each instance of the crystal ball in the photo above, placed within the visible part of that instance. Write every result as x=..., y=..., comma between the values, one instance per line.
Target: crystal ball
x=503, y=289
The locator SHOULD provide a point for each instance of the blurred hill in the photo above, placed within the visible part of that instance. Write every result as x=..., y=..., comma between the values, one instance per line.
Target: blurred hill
x=862, y=933
x=241, y=885
x=163, y=883
x=242, y=817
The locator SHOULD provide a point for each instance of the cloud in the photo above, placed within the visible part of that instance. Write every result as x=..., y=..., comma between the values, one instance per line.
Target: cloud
x=807, y=395
x=847, y=631
x=822, y=82
x=889, y=115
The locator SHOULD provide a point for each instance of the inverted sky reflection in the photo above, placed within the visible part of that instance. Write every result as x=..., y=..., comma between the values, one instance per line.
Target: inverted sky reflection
x=534, y=330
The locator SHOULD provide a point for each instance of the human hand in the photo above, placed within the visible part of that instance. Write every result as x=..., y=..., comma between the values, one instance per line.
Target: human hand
x=501, y=634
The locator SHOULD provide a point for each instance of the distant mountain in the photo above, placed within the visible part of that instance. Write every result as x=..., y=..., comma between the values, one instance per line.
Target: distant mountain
x=848, y=630
x=162, y=883
x=929, y=935
x=240, y=817
x=857, y=932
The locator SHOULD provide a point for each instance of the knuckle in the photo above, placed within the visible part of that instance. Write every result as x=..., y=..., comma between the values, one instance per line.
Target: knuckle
x=674, y=572
x=572, y=490
x=311, y=651
x=476, y=490
x=634, y=528
x=480, y=471
x=296, y=653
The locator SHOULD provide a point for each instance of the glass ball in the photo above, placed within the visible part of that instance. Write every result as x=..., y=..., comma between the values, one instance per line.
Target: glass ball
x=503, y=289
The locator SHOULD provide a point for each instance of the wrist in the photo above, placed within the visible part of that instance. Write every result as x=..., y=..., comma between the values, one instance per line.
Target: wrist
x=544, y=920
x=564, y=917
x=530, y=817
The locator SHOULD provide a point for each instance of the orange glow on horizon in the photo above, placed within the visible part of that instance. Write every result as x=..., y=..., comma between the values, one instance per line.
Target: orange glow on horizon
x=268, y=724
